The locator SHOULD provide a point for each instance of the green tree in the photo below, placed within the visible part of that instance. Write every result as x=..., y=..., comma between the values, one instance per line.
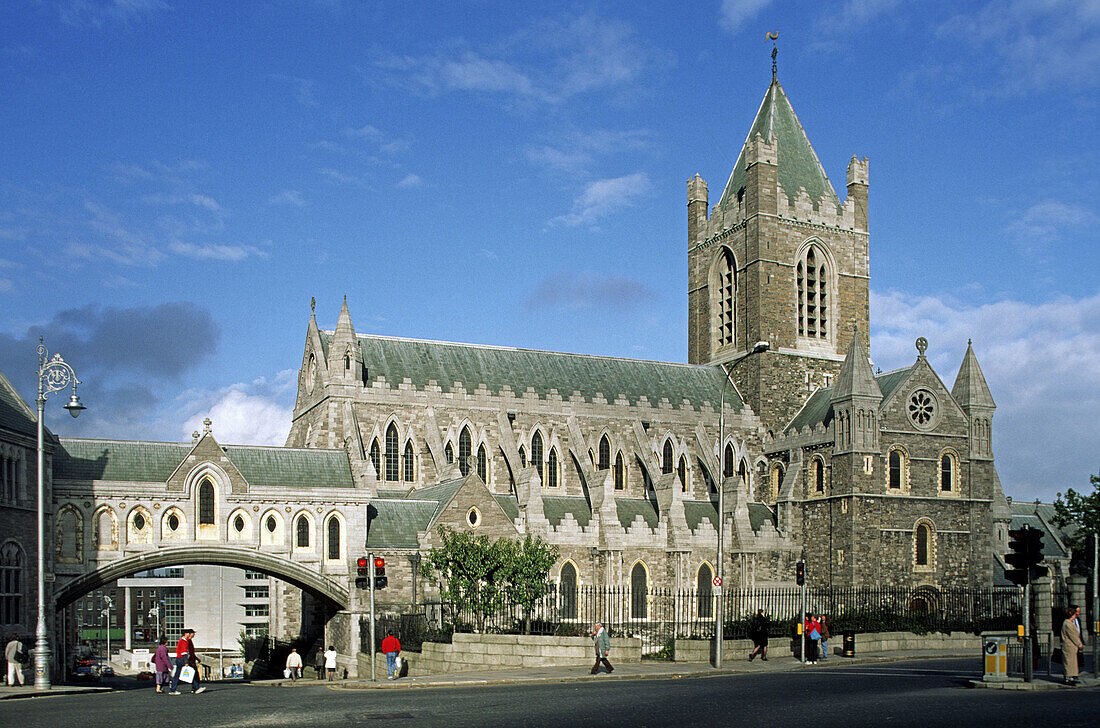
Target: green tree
x=1080, y=510
x=471, y=571
x=529, y=563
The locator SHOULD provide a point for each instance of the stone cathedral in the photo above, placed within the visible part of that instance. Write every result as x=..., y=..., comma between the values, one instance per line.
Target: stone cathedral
x=872, y=478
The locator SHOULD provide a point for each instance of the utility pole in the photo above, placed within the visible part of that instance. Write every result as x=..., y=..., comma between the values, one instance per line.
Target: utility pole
x=718, y=570
x=370, y=561
x=1095, y=605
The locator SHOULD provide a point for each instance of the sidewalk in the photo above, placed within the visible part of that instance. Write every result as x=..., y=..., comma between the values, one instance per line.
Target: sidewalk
x=7, y=693
x=647, y=670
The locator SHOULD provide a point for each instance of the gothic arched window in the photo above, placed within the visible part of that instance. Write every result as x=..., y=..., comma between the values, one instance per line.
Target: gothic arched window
x=449, y=453
x=639, y=591
x=725, y=298
x=667, y=457
x=376, y=457
x=392, y=464
x=333, y=551
x=301, y=533
x=567, y=585
x=922, y=547
x=728, y=462
x=682, y=473
x=605, y=454
x=206, y=503
x=552, y=468
x=410, y=462
x=620, y=472
x=536, y=453
x=482, y=464
x=704, y=594
x=465, y=450
x=813, y=295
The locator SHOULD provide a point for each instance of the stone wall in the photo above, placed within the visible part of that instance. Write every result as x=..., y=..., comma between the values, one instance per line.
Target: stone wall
x=470, y=652
x=870, y=643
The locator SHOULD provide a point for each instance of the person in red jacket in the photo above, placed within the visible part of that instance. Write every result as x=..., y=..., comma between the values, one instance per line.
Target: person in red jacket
x=812, y=635
x=186, y=655
x=392, y=648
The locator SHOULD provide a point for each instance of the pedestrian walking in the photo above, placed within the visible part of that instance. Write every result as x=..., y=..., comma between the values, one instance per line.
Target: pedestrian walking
x=603, y=646
x=812, y=633
x=162, y=664
x=186, y=657
x=14, y=653
x=1072, y=644
x=758, y=631
x=330, y=662
x=293, y=664
x=319, y=663
x=823, y=627
x=391, y=647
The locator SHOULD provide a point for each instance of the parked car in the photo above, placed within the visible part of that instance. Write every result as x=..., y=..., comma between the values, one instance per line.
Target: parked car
x=107, y=671
x=84, y=670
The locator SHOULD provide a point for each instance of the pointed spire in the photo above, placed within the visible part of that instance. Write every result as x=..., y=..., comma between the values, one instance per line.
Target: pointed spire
x=344, y=328
x=970, y=388
x=856, y=377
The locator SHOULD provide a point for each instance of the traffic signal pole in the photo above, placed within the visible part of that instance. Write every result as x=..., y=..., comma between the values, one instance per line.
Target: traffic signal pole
x=1027, y=632
x=370, y=560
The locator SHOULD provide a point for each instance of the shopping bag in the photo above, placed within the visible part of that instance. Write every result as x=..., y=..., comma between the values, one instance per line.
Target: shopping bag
x=288, y=672
x=187, y=674
x=397, y=663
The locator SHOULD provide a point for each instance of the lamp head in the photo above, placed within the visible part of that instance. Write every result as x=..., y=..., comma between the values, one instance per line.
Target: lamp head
x=74, y=406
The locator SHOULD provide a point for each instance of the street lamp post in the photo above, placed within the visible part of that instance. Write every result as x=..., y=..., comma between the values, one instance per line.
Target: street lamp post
x=53, y=376
x=107, y=604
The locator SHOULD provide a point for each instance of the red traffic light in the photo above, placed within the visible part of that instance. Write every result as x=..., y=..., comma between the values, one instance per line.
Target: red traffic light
x=361, y=563
x=379, y=563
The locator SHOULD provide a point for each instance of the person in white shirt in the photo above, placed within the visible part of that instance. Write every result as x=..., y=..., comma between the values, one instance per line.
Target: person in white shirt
x=293, y=664
x=330, y=662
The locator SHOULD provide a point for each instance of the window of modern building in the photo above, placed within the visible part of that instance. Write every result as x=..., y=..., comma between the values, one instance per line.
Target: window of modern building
x=256, y=592
x=256, y=610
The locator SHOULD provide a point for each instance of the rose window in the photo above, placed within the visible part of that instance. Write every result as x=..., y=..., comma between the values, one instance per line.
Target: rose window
x=922, y=408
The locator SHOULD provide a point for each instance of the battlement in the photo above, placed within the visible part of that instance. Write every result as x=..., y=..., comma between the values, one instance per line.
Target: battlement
x=859, y=171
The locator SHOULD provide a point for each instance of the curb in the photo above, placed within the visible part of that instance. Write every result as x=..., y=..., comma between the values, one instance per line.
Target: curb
x=32, y=693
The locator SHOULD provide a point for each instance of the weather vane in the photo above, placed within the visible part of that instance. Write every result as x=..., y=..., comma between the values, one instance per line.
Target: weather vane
x=773, y=37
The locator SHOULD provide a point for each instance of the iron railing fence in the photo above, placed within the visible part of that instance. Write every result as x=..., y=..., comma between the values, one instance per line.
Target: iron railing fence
x=656, y=616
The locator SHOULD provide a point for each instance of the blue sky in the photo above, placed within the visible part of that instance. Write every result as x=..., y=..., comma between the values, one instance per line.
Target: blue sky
x=177, y=180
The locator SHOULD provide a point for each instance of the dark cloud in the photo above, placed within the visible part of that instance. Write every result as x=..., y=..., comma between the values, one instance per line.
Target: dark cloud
x=589, y=290
x=122, y=355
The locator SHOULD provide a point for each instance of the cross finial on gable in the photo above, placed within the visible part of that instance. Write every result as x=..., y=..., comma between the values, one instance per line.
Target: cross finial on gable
x=206, y=426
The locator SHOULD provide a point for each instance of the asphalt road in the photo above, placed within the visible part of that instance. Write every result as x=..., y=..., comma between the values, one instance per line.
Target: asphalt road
x=915, y=693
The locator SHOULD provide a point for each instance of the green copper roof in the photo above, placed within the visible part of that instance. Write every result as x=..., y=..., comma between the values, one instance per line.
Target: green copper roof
x=890, y=381
x=759, y=514
x=117, y=460
x=798, y=163
x=395, y=523
x=509, y=505
x=444, y=363
x=555, y=509
x=696, y=511
x=154, y=462
x=630, y=508
x=15, y=414
x=292, y=468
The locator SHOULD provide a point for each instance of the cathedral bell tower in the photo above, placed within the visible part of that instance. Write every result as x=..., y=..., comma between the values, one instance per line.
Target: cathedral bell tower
x=778, y=271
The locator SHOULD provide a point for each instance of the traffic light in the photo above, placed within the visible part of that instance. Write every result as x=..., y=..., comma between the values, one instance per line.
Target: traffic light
x=800, y=573
x=1026, y=551
x=380, y=579
x=362, y=573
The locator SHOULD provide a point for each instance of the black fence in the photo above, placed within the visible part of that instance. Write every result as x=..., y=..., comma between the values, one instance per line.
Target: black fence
x=659, y=615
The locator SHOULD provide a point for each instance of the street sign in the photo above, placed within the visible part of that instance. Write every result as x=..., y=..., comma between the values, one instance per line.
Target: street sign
x=718, y=581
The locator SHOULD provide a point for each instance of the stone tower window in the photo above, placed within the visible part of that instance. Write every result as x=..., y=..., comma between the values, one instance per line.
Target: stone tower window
x=620, y=472
x=482, y=464
x=465, y=450
x=813, y=295
x=728, y=462
x=897, y=469
x=923, y=547
x=817, y=475
x=775, y=481
x=667, y=457
x=536, y=453
x=605, y=453
x=743, y=474
x=949, y=472
x=726, y=298
x=410, y=462
x=522, y=457
x=682, y=473
x=206, y=503
x=11, y=583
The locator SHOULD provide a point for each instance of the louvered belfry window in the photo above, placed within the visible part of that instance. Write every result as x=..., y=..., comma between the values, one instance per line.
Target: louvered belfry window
x=813, y=295
x=727, y=286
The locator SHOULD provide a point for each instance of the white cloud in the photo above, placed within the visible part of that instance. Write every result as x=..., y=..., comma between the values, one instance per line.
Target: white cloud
x=1035, y=45
x=230, y=253
x=97, y=13
x=575, y=152
x=341, y=178
x=253, y=413
x=1047, y=221
x=589, y=290
x=1042, y=362
x=287, y=197
x=206, y=202
x=410, y=180
x=603, y=197
x=735, y=13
